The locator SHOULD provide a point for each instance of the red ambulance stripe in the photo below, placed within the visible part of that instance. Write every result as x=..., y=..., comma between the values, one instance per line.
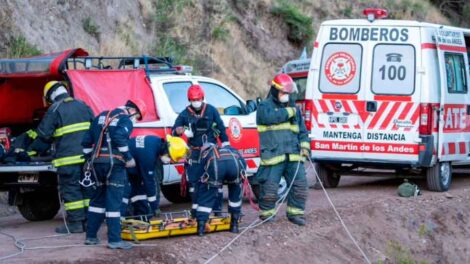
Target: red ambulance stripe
x=315, y=45
x=452, y=48
x=390, y=115
x=315, y=115
x=428, y=46
x=378, y=114
x=360, y=107
x=361, y=147
x=392, y=98
x=339, y=96
x=325, y=109
x=414, y=118
x=451, y=148
x=462, y=147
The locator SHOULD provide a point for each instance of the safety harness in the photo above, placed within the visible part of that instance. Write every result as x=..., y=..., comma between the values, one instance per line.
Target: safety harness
x=96, y=153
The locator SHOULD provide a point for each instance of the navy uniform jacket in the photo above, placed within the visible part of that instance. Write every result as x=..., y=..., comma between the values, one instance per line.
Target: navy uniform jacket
x=206, y=122
x=146, y=151
x=120, y=128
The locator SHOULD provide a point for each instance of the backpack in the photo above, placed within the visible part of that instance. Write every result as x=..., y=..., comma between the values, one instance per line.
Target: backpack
x=408, y=189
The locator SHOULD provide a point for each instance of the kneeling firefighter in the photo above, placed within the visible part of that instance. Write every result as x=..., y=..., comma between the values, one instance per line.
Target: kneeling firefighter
x=146, y=177
x=64, y=124
x=106, y=147
x=284, y=145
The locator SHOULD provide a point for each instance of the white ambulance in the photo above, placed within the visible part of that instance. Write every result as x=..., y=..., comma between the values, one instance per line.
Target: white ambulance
x=390, y=94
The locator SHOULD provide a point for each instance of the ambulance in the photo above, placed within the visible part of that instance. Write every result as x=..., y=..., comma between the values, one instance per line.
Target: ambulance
x=391, y=95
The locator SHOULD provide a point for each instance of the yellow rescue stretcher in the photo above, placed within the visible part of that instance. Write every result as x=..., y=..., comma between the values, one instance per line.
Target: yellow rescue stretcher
x=136, y=230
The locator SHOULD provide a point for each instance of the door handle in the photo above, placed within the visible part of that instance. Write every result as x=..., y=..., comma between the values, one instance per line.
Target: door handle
x=371, y=106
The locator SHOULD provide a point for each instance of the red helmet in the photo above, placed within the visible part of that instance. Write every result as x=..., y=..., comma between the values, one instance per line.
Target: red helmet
x=139, y=105
x=195, y=93
x=284, y=83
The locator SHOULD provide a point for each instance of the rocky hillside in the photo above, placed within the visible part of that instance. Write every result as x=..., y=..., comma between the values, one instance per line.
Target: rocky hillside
x=240, y=42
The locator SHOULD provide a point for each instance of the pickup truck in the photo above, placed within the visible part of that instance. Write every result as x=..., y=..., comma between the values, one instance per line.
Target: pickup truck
x=105, y=83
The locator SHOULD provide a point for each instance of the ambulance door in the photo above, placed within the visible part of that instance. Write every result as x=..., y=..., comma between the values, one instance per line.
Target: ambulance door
x=391, y=130
x=338, y=104
x=454, y=125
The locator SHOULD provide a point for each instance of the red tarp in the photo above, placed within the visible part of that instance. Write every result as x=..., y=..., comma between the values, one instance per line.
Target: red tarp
x=108, y=89
x=22, y=82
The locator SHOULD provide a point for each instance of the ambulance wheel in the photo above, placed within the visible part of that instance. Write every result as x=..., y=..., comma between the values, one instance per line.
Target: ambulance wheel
x=173, y=194
x=439, y=177
x=39, y=205
x=328, y=177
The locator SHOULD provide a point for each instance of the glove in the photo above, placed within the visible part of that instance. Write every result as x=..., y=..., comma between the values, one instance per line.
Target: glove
x=165, y=159
x=225, y=144
x=130, y=163
x=188, y=132
x=305, y=152
x=291, y=111
x=179, y=130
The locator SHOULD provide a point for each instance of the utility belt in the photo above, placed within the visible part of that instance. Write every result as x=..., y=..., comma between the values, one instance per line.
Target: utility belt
x=105, y=158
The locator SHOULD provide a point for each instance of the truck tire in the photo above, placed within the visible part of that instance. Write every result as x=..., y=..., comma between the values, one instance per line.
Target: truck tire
x=439, y=177
x=39, y=205
x=328, y=177
x=172, y=193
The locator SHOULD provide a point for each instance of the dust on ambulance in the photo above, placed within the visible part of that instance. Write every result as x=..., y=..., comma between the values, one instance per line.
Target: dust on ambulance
x=389, y=94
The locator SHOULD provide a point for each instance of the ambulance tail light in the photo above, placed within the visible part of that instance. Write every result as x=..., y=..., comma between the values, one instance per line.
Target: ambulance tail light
x=425, y=119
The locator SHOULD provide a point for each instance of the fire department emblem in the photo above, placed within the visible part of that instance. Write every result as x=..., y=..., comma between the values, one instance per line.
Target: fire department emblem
x=235, y=128
x=340, y=68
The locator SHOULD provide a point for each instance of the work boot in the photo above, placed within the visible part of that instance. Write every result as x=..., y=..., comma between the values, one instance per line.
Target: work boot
x=234, y=223
x=120, y=245
x=157, y=213
x=218, y=214
x=201, y=228
x=92, y=241
x=263, y=218
x=73, y=227
x=297, y=219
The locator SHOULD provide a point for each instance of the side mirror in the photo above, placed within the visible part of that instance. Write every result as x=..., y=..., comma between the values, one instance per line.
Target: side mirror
x=251, y=106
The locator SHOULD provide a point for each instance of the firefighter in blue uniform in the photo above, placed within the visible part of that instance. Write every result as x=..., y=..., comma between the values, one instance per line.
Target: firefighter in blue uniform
x=64, y=124
x=221, y=165
x=201, y=123
x=146, y=177
x=284, y=146
x=106, y=147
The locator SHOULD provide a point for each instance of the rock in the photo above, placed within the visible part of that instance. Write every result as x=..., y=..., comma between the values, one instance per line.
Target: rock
x=448, y=195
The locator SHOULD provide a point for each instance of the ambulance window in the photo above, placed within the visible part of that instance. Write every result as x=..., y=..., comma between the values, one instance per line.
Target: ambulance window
x=455, y=70
x=341, y=68
x=176, y=92
x=393, y=70
x=301, y=87
x=222, y=99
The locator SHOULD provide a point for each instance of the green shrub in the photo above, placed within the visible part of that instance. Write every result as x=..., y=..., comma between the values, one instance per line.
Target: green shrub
x=300, y=25
x=91, y=27
x=220, y=32
x=19, y=47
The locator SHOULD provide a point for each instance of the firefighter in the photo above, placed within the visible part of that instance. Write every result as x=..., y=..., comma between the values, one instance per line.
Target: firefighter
x=221, y=165
x=64, y=124
x=146, y=177
x=106, y=147
x=200, y=123
x=284, y=143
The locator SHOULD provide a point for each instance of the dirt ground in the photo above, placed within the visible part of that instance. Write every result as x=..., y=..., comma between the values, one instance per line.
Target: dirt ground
x=432, y=228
